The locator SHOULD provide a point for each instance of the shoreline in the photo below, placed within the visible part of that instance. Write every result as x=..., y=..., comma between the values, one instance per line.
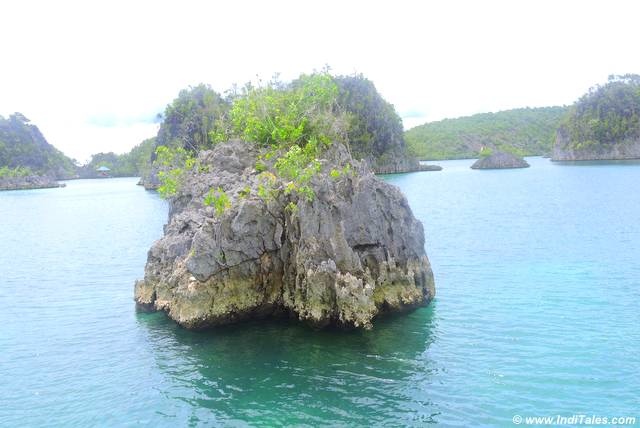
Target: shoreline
x=29, y=183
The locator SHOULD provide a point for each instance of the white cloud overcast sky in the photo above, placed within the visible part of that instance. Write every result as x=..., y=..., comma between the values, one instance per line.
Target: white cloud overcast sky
x=90, y=74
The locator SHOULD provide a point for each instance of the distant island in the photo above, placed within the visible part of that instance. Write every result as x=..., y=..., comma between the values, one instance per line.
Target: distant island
x=602, y=124
x=522, y=132
x=27, y=160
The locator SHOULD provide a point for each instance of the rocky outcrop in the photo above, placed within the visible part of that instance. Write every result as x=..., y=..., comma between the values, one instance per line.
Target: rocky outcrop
x=392, y=163
x=500, y=160
x=566, y=150
x=425, y=167
x=149, y=179
x=29, y=182
x=353, y=252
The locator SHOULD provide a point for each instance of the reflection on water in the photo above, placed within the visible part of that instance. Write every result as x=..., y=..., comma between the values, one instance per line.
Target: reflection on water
x=284, y=372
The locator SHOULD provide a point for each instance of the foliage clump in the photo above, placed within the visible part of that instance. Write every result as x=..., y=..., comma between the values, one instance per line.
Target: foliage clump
x=218, y=199
x=485, y=152
x=278, y=115
x=175, y=162
x=194, y=119
x=607, y=114
x=374, y=127
x=292, y=123
x=17, y=172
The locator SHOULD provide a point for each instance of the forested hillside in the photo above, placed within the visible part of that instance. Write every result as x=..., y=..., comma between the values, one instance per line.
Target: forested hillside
x=523, y=132
x=24, y=151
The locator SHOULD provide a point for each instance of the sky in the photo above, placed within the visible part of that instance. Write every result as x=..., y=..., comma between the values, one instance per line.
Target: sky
x=93, y=75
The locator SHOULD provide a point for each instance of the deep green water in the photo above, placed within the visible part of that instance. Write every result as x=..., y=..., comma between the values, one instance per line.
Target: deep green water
x=537, y=313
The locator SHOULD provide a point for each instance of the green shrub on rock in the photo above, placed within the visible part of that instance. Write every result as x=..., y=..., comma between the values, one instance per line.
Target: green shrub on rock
x=218, y=199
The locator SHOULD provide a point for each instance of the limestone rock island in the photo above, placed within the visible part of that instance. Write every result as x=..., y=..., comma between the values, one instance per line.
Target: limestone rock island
x=27, y=160
x=352, y=252
x=604, y=124
x=500, y=160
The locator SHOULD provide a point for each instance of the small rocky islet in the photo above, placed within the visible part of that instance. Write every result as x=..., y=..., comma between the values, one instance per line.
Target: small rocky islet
x=286, y=217
x=29, y=182
x=352, y=253
x=500, y=160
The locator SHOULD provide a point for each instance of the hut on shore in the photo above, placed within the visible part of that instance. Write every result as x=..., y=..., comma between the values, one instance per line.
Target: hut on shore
x=103, y=172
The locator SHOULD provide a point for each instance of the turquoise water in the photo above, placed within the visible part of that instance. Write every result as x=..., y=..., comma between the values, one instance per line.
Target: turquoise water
x=537, y=313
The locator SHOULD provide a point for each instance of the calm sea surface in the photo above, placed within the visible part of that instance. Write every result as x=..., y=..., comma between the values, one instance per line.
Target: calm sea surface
x=537, y=313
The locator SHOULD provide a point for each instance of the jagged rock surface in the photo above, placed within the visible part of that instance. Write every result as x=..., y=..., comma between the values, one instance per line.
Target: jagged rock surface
x=565, y=150
x=392, y=163
x=500, y=160
x=352, y=253
x=149, y=179
x=425, y=167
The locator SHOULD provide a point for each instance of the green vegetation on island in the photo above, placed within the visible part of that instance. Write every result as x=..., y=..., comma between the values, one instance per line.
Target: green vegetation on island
x=131, y=164
x=17, y=172
x=375, y=131
x=190, y=122
x=26, y=155
x=194, y=119
x=607, y=113
x=274, y=112
x=522, y=132
x=293, y=122
x=24, y=151
x=604, y=123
